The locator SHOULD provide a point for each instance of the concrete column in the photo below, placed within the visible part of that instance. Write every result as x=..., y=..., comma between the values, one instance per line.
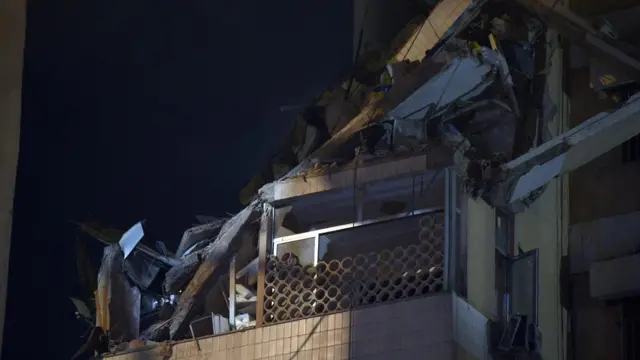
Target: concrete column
x=544, y=226
x=481, y=237
x=12, y=34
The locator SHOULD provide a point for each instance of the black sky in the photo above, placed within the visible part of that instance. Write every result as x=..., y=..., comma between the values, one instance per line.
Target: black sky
x=148, y=109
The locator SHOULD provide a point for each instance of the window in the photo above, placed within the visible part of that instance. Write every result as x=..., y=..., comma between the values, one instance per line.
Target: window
x=504, y=232
x=520, y=303
x=523, y=286
x=631, y=150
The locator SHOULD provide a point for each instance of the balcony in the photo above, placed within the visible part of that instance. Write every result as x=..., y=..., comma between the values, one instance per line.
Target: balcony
x=351, y=266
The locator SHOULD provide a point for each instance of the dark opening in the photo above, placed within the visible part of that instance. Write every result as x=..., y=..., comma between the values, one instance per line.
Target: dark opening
x=631, y=150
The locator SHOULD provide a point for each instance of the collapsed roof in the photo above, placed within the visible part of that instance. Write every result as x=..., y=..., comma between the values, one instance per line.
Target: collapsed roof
x=478, y=100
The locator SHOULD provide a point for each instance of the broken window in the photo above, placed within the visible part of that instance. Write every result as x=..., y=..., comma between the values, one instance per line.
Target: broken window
x=631, y=150
x=518, y=279
x=524, y=286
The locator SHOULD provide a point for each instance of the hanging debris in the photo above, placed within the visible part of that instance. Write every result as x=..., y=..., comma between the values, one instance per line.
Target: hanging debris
x=177, y=278
x=197, y=234
x=117, y=301
x=215, y=264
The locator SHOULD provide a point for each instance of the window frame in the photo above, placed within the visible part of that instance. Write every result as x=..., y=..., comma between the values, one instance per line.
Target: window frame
x=506, y=221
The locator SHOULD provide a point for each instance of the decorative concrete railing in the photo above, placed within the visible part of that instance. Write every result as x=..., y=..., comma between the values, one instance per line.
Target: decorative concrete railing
x=294, y=291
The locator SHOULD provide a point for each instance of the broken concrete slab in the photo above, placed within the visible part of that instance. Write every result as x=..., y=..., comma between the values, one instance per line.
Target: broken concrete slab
x=199, y=233
x=216, y=263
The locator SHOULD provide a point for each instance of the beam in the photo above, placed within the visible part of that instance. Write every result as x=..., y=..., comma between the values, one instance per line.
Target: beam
x=213, y=268
x=577, y=29
x=570, y=150
x=344, y=178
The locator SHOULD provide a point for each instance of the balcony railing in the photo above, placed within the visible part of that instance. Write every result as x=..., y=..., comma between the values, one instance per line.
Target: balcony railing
x=354, y=265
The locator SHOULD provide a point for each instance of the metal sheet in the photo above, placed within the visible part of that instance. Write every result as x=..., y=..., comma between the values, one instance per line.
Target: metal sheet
x=131, y=238
x=462, y=79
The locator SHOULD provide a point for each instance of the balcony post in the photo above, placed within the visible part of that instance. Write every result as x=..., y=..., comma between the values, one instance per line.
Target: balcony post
x=232, y=294
x=264, y=237
x=450, y=211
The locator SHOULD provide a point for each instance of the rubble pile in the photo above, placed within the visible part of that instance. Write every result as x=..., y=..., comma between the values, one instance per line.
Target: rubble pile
x=147, y=295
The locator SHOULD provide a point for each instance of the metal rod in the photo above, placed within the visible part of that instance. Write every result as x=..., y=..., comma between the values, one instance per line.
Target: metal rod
x=264, y=238
x=213, y=323
x=360, y=203
x=452, y=258
x=310, y=234
x=316, y=247
x=447, y=228
x=232, y=294
x=193, y=335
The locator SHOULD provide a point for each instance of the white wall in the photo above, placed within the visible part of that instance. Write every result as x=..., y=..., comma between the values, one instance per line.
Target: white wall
x=12, y=33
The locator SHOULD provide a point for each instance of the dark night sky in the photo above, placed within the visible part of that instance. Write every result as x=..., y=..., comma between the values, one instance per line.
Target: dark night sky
x=148, y=109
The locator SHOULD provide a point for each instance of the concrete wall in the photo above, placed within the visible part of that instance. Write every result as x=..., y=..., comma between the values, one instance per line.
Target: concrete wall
x=597, y=332
x=12, y=34
x=617, y=191
x=537, y=228
x=470, y=331
x=599, y=191
x=603, y=239
x=418, y=328
x=481, y=239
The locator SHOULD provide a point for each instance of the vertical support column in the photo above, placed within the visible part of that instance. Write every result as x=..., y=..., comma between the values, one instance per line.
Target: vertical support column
x=232, y=294
x=450, y=216
x=360, y=194
x=265, y=236
x=316, y=249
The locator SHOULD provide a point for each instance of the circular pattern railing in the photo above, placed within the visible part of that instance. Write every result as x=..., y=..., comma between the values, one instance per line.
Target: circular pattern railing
x=294, y=291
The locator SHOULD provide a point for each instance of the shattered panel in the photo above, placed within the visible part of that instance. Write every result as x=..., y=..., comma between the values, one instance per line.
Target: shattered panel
x=140, y=269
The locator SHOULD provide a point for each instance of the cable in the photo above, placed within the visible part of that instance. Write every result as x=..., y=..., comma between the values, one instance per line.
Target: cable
x=414, y=39
x=427, y=20
x=357, y=57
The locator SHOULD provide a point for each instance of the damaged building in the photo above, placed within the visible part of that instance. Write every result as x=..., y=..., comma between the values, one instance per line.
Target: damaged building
x=429, y=220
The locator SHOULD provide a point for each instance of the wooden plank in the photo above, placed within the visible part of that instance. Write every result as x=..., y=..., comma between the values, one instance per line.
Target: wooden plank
x=213, y=268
